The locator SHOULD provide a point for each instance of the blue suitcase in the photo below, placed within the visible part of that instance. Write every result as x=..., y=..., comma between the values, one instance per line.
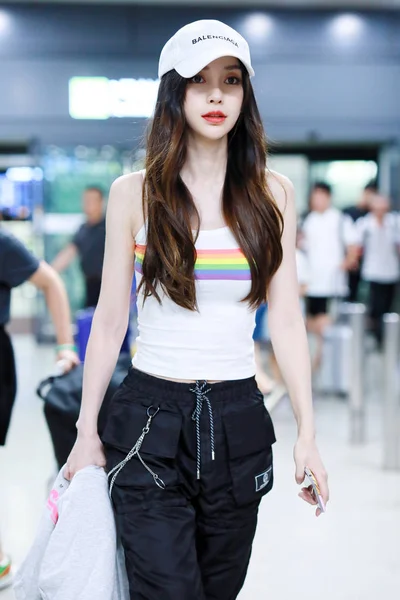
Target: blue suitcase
x=84, y=320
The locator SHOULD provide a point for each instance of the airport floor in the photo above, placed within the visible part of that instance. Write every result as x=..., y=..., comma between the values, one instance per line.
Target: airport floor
x=350, y=553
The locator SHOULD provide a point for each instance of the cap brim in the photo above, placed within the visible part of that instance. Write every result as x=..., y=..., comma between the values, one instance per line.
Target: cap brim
x=190, y=66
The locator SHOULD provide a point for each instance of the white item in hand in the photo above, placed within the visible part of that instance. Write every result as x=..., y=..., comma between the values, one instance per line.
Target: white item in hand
x=60, y=367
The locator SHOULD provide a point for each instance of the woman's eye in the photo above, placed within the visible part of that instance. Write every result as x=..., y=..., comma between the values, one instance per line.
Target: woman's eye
x=233, y=80
x=196, y=79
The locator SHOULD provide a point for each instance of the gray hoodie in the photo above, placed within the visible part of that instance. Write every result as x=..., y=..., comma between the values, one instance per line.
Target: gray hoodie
x=74, y=555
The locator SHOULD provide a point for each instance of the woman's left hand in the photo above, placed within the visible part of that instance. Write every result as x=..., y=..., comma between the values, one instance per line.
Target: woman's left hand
x=306, y=455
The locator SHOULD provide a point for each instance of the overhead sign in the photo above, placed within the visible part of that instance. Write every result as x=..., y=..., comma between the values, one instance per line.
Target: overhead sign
x=102, y=98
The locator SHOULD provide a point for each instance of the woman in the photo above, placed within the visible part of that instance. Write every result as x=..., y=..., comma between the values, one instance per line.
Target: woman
x=212, y=234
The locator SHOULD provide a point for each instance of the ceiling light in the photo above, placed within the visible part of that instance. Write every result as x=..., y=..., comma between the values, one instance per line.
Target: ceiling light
x=5, y=21
x=346, y=26
x=257, y=26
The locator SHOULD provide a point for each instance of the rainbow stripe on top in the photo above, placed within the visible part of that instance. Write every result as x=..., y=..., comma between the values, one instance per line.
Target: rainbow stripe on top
x=222, y=265
x=140, y=249
x=211, y=265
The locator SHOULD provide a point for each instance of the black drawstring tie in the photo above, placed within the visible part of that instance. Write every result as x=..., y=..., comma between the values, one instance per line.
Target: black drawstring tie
x=201, y=397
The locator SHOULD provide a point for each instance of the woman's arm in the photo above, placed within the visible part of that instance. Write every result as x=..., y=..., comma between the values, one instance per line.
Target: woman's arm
x=289, y=338
x=111, y=316
x=285, y=320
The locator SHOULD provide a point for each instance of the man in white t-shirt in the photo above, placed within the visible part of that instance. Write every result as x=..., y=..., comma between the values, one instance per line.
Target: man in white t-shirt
x=378, y=235
x=329, y=241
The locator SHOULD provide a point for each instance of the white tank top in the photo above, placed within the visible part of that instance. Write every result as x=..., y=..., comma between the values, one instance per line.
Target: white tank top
x=215, y=343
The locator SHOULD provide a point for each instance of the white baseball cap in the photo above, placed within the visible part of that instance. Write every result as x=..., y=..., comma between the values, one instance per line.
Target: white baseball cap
x=197, y=44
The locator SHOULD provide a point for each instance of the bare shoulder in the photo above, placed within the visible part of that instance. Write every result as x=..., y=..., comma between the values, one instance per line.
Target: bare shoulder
x=127, y=188
x=126, y=198
x=282, y=190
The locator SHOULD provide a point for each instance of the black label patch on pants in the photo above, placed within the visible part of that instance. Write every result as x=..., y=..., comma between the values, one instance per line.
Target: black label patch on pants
x=263, y=479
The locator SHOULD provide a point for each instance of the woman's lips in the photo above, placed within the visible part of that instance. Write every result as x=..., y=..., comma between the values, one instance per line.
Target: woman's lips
x=215, y=119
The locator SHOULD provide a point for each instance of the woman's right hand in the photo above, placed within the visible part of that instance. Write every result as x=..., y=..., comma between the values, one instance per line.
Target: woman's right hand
x=87, y=450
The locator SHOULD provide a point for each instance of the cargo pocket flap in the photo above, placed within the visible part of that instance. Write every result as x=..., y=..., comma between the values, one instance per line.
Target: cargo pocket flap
x=126, y=421
x=249, y=431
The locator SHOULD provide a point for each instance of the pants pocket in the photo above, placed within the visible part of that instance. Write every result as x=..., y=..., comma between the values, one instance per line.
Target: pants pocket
x=249, y=436
x=126, y=422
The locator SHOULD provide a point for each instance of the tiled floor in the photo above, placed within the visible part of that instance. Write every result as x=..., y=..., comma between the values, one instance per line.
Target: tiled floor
x=351, y=553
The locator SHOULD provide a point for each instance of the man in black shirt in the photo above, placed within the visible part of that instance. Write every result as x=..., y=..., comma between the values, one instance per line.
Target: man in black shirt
x=356, y=212
x=18, y=265
x=88, y=243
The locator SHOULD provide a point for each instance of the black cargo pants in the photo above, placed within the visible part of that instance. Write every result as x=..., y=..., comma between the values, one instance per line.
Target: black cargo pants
x=186, y=503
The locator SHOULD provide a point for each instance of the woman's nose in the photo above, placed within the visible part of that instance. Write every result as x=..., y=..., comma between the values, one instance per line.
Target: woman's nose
x=215, y=97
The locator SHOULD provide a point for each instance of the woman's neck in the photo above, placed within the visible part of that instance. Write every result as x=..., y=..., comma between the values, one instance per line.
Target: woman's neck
x=206, y=161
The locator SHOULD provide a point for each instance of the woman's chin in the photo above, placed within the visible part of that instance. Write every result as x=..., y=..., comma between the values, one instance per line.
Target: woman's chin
x=213, y=133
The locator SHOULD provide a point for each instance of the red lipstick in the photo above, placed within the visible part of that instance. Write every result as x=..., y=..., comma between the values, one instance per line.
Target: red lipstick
x=215, y=117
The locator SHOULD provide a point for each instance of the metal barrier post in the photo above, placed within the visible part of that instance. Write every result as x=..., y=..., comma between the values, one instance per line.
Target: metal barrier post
x=391, y=416
x=356, y=314
x=357, y=397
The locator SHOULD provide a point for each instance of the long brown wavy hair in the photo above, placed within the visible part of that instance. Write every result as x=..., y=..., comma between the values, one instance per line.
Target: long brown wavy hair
x=248, y=206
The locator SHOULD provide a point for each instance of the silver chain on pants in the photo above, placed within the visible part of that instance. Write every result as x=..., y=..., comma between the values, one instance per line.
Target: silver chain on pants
x=135, y=452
